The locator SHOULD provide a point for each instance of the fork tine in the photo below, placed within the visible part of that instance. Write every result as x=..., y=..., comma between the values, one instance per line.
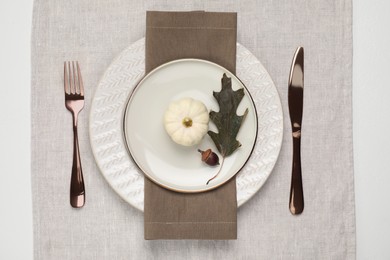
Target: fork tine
x=70, y=79
x=80, y=79
x=73, y=79
x=66, y=79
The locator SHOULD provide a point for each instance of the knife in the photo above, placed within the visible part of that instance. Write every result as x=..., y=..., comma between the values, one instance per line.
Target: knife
x=295, y=105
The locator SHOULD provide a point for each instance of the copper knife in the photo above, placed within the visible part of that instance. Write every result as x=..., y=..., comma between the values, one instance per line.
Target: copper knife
x=295, y=105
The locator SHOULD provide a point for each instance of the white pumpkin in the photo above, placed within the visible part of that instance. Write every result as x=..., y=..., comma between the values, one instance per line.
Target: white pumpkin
x=186, y=121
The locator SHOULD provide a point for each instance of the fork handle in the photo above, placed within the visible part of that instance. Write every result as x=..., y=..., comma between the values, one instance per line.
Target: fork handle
x=77, y=190
x=296, y=191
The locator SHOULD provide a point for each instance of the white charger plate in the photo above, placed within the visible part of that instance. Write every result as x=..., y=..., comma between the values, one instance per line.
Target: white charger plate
x=168, y=164
x=106, y=124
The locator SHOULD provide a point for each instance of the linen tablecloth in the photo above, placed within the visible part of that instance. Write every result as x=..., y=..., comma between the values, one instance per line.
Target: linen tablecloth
x=94, y=32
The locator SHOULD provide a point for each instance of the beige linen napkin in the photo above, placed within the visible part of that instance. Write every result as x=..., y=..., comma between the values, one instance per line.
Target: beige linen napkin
x=208, y=215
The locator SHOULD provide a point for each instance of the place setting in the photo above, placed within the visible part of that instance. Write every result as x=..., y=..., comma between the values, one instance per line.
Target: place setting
x=184, y=125
x=189, y=125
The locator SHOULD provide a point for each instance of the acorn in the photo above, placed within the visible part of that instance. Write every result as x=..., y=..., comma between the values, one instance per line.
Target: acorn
x=209, y=157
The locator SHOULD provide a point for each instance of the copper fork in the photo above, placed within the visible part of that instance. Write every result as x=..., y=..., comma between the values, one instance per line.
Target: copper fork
x=74, y=102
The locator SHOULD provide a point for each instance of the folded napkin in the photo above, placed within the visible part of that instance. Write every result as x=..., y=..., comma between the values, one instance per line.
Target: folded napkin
x=208, y=215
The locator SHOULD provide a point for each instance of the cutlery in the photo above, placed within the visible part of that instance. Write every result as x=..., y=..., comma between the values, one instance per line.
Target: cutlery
x=74, y=102
x=295, y=104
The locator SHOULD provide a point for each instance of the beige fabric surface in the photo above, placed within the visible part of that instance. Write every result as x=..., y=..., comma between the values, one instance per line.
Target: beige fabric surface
x=95, y=32
x=207, y=215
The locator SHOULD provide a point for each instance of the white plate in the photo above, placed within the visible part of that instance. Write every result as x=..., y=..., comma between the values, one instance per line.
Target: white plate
x=168, y=164
x=106, y=124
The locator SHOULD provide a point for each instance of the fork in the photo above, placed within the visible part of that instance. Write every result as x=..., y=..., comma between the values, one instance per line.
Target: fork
x=74, y=102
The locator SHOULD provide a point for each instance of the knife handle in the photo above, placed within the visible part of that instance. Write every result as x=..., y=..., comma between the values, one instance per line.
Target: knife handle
x=296, y=191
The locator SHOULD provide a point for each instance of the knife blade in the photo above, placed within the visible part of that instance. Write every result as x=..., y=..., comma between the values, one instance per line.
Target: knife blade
x=295, y=105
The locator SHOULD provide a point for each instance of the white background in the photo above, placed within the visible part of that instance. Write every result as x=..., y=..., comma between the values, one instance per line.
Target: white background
x=371, y=104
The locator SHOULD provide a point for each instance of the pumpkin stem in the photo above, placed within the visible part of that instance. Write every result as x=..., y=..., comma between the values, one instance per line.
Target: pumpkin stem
x=219, y=170
x=187, y=122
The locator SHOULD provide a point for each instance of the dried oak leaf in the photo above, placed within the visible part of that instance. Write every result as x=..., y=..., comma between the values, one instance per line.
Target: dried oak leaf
x=226, y=120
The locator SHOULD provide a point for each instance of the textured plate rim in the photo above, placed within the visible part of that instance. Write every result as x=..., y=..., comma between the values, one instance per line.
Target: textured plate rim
x=141, y=42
